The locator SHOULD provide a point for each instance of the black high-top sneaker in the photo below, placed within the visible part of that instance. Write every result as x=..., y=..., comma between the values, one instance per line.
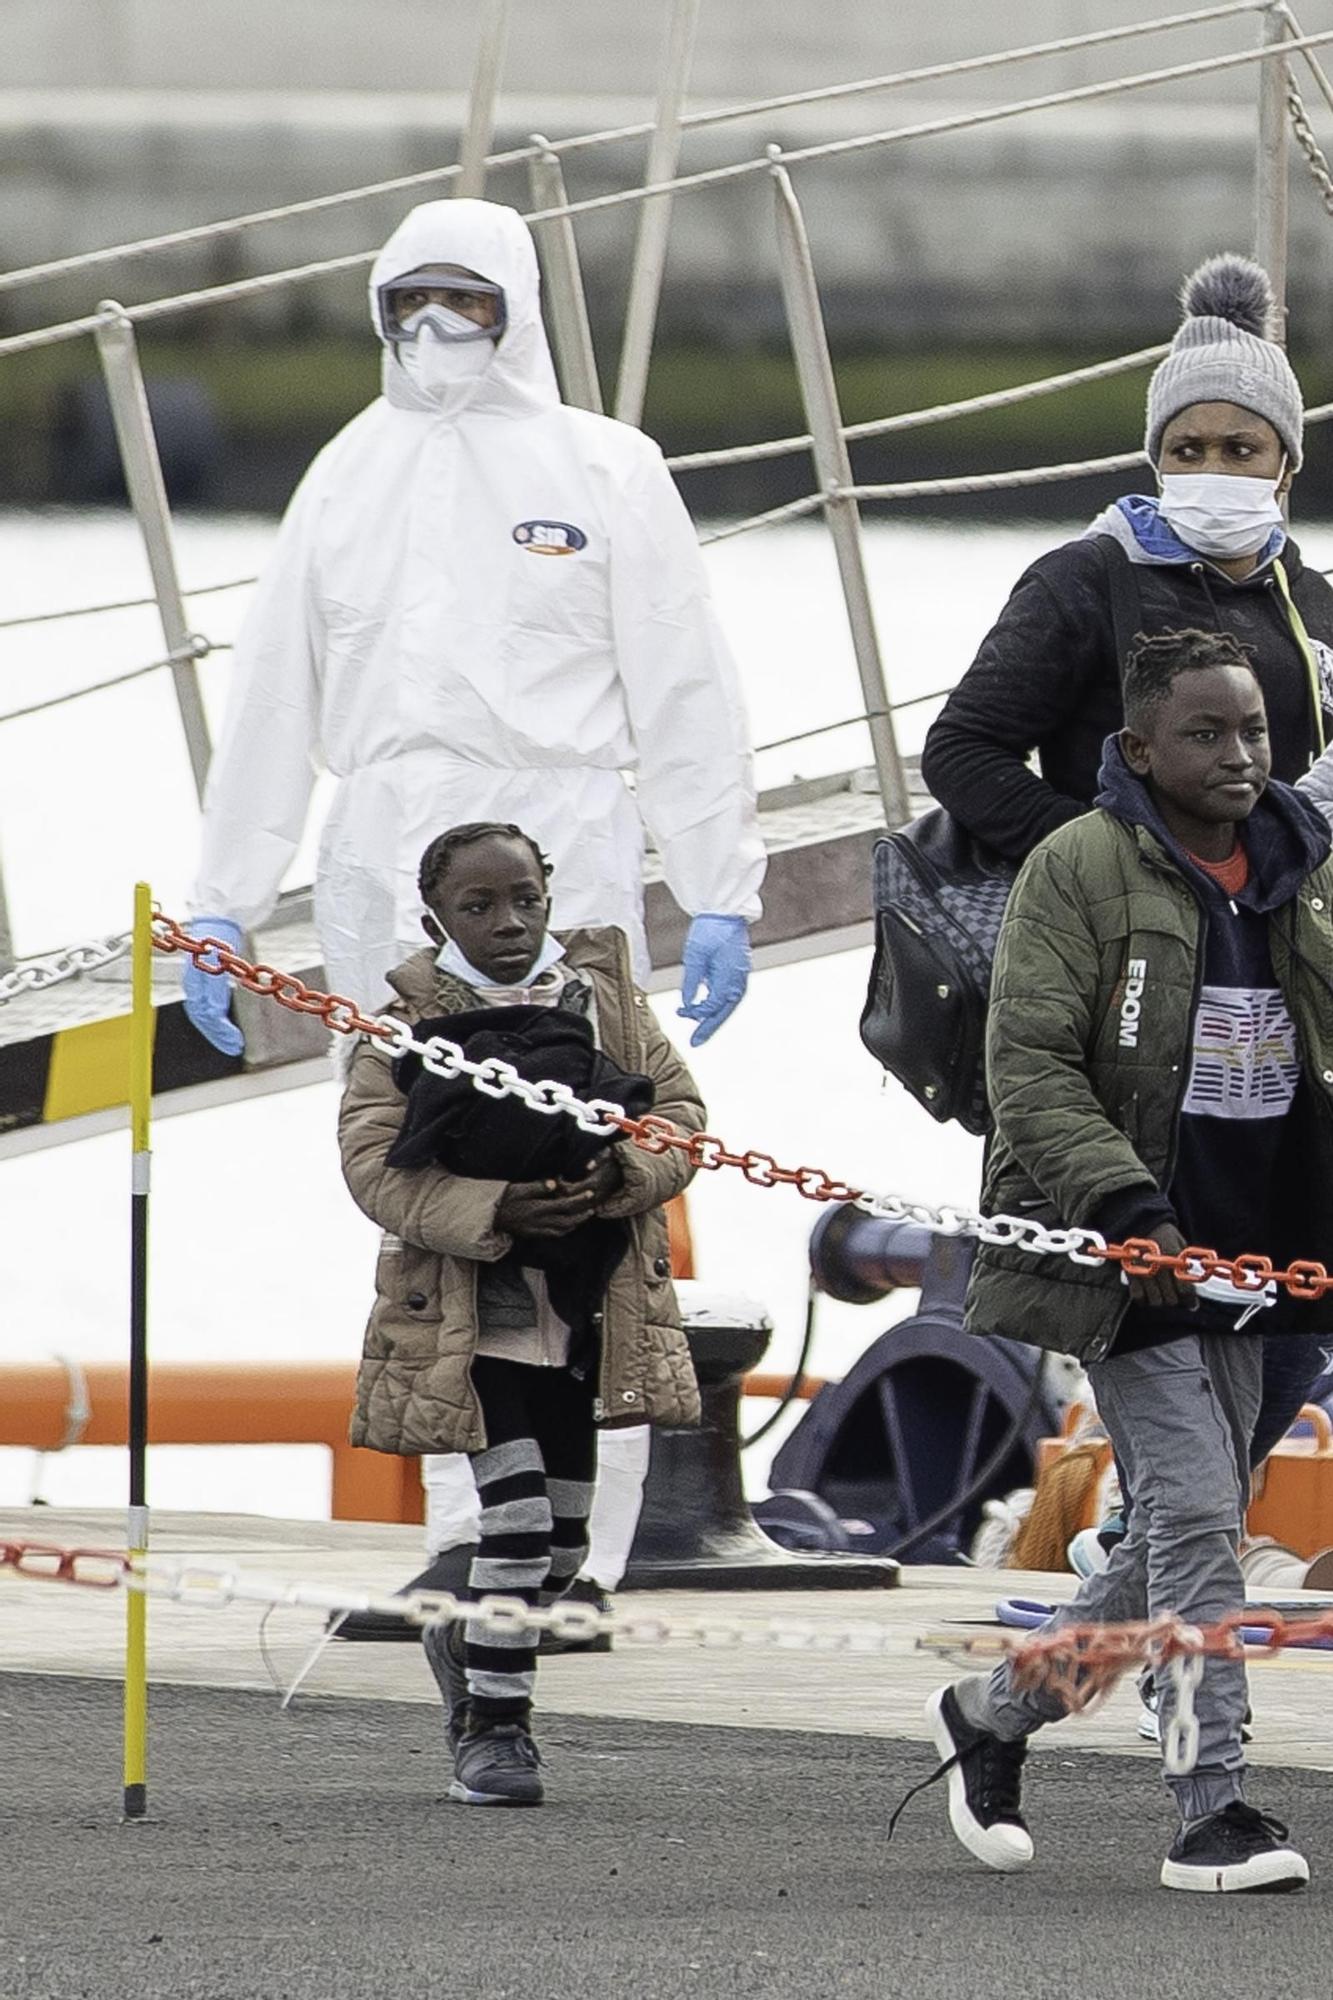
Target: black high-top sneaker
x=985, y=1777
x=1236, y=1850
x=446, y=1571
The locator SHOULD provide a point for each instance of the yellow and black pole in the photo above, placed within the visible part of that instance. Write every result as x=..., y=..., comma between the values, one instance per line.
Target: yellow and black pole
x=141, y=1099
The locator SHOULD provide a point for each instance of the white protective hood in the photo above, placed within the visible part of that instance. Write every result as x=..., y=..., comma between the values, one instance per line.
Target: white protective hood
x=490, y=609
x=495, y=243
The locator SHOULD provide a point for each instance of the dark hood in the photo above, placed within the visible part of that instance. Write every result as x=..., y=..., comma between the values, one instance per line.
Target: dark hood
x=1286, y=837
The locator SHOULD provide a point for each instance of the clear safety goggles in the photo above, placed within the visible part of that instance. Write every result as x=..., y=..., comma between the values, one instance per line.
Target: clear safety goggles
x=454, y=307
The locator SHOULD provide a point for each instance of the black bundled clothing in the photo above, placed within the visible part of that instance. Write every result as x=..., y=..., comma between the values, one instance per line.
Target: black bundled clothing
x=451, y=1124
x=1047, y=678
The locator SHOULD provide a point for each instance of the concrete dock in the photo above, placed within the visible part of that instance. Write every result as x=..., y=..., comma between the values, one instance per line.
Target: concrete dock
x=716, y=1816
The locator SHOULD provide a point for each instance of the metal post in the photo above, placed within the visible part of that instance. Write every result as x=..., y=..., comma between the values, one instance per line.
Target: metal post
x=562, y=284
x=1270, y=178
x=135, y=1762
x=819, y=394
x=148, y=497
x=481, y=99
x=655, y=215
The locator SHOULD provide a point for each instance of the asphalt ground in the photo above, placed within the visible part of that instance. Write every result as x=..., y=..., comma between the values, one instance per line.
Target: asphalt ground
x=313, y=1853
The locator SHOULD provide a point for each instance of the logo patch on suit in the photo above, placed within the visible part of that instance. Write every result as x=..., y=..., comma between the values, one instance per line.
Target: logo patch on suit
x=550, y=538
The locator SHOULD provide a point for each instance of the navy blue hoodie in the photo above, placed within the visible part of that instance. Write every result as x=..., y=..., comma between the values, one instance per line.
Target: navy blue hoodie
x=1226, y=1186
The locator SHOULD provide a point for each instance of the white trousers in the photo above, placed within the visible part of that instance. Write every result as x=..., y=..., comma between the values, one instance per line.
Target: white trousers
x=453, y=1512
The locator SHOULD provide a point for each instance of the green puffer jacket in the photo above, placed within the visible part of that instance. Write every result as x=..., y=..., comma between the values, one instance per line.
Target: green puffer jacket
x=1088, y=1050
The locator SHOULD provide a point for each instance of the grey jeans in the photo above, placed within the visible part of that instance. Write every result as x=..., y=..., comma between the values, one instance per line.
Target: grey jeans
x=1180, y=1418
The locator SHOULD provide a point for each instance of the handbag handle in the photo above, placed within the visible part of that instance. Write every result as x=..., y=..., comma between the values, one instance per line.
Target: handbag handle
x=1126, y=603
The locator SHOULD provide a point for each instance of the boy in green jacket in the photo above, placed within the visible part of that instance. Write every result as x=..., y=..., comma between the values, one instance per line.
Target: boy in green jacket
x=1160, y=1064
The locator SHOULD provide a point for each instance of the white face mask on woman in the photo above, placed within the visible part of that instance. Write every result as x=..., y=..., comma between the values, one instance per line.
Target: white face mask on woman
x=1221, y=514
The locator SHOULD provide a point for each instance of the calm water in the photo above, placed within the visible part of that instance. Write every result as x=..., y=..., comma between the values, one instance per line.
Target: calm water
x=257, y=1250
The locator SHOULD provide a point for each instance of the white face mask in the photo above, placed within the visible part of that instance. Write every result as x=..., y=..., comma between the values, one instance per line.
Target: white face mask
x=450, y=959
x=438, y=366
x=1221, y=513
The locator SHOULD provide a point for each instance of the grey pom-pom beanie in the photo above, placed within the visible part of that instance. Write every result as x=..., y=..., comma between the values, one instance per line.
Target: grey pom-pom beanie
x=1222, y=354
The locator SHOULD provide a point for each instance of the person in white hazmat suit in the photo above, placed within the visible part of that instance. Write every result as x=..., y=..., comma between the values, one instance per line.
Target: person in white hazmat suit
x=483, y=605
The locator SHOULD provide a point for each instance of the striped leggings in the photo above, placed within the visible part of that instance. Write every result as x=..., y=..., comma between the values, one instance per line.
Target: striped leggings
x=535, y=1482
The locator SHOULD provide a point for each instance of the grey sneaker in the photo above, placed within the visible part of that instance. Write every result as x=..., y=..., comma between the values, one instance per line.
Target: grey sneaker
x=497, y=1765
x=443, y=1647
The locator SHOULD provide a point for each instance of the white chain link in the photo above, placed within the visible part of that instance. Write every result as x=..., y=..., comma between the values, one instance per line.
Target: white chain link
x=39, y=973
x=498, y=1079
x=214, y=1586
x=1180, y=1741
x=1009, y=1232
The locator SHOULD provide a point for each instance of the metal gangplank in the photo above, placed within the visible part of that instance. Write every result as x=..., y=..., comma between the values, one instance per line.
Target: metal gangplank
x=61, y=1065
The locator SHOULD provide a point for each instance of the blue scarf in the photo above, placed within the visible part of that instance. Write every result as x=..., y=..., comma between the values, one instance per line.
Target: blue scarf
x=1156, y=539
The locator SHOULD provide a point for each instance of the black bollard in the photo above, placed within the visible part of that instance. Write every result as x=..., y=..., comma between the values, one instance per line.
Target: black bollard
x=696, y=1531
x=926, y=1407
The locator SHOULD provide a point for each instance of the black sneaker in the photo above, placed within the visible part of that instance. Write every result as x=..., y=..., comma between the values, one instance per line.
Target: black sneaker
x=985, y=1785
x=443, y=1647
x=447, y=1571
x=1237, y=1849
x=496, y=1764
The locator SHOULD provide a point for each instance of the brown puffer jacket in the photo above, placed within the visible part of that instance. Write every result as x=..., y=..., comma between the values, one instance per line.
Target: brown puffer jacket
x=414, y=1389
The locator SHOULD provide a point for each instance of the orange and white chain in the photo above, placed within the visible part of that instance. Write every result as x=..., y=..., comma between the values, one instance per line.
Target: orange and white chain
x=1137, y=1256
x=1080, y=1664
x=214, y=1586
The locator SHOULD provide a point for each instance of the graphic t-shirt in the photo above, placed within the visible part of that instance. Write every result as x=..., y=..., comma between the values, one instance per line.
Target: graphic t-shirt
x=1244, y=1070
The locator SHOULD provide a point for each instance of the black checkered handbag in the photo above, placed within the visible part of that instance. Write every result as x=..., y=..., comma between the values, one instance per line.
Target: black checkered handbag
x=940, y=897
x=939, y=900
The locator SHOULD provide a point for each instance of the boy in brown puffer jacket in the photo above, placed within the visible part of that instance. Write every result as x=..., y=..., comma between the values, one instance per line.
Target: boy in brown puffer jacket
x=465, y=1350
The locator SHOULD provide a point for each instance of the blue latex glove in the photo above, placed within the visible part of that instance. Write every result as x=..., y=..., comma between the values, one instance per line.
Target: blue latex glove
x=208, y=993
x=717, y=962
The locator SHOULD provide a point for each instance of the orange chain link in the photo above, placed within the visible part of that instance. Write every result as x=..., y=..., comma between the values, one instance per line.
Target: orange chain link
x=1139, y=1256
x=45, y=1562
x=1082, y=1663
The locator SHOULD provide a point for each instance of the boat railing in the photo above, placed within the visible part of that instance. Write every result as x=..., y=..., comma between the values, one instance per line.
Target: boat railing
x=835, y=492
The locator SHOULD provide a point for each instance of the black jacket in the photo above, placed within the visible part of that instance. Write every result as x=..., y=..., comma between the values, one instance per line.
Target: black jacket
x=1047, y=678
